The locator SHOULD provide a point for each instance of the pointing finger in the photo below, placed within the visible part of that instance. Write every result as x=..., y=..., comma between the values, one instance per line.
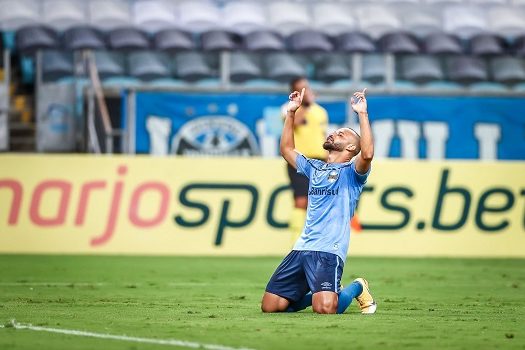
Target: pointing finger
x=302, y=94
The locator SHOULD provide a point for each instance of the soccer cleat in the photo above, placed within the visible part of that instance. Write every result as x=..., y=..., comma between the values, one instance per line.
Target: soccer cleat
x=365, y=300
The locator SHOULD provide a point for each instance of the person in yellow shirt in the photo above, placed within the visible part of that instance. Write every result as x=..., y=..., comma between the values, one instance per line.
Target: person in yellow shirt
x=310, y=127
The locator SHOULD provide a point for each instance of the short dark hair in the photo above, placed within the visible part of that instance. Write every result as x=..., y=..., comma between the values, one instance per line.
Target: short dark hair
x=294, y=81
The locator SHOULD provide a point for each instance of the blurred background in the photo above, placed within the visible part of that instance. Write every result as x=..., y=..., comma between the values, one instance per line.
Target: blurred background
x=185, y=97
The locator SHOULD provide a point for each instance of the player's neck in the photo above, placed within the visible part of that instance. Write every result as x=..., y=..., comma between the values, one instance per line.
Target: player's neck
x=338, y=157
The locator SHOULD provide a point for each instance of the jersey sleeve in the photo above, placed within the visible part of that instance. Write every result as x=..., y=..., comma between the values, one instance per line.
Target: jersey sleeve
x=303, y=164
x=360, y=179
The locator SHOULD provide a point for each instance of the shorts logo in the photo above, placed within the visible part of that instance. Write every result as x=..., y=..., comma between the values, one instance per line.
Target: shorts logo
x=332, y=177
x=326, y=285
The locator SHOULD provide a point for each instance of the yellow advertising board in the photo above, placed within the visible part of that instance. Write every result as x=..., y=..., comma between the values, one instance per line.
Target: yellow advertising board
x=240, y=206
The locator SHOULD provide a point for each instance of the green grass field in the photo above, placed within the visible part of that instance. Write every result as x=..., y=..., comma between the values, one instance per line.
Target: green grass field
x=423, y=303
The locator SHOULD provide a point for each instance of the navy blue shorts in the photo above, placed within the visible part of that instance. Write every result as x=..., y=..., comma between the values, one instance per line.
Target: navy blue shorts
x=303, y=271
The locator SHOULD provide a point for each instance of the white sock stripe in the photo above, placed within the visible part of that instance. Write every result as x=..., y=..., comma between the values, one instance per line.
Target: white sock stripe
x=172, y=342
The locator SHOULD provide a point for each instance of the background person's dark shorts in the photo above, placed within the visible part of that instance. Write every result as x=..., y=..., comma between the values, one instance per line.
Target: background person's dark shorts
x=302, y=271
x=299, y=182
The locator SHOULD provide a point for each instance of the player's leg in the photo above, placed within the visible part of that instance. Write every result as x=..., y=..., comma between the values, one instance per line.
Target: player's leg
x=323, y=273
x=347, y=294
x=287, y=286
x=299, y=184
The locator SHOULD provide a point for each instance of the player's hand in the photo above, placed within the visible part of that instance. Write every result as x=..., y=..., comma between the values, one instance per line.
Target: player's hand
x=296, y=99
x=358, y=101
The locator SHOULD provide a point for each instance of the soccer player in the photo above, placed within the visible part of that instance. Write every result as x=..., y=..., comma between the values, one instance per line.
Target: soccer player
x=311, y=273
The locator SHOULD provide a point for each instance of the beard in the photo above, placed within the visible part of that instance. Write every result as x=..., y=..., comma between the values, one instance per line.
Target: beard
x=332, y=146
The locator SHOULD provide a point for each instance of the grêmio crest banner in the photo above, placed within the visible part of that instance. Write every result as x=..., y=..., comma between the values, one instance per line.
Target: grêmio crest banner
x=408, y=127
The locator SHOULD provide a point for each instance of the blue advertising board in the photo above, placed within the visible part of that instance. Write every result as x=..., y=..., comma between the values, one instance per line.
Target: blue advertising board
x=404, y=126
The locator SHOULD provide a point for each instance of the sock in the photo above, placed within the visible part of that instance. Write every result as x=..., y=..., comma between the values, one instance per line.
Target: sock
x=302, y=304
x=346, y=296
x=297, y=223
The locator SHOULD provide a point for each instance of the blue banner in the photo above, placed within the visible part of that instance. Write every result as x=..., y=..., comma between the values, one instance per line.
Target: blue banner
x=404, y=126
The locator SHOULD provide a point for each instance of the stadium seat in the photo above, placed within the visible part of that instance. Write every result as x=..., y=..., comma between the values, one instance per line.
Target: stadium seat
x=422, y=22
x=218, y=40
x=377, y=20
x=127, y=39
x=121, y=82
x=262, y=83
x=288, y=17
x=21, y=13
x=466, y=69
x=109, y=14
x=464, y=21
x=488, y=2
x=173, y=40
x=110, y=64
x=487, y=86
x=63, y=14
x=442, y=86
x=153, y=15
x=398, y=43
x=192, y=66
x=283, y=67
x=57, y=65
x=374, y=68
x=421, y=69
x=333, y=18
x=199, y=16
x=243, y=68
x=487, y=45
x=149, y=65
x=507, y=70
x=354, y=42
x=243, y=17
x=263, y=41
x=518, y=47
x=506, y=21
x=32, y=38
x=309, y=41
x=442, y=44
x=334, y=67
x=166, y=83
x=80, y=38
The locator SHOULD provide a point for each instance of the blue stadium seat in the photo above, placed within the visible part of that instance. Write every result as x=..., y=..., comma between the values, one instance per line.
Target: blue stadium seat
x=487, y=45
x=333, y=18
x=32, y=38
x=192, y=66
x=506, y=21
x=309, y=41
x=149, y=65
x=110, y=64
x=127, y=39
x=219, y=40
x=243, y=68
x=421, y=21
x=374, y=68
x=464, y=21
x=487, y=86
x=287, y=17
x=57, y=65
x=173, y=40
x=199, y=16
x=153, y=15
x=377, y=20
x=334, y=67
x=399, y=43
x=421, y=69
x=283, y=67
x=20, y=13
x=243, y=17
x=264, y=41
x=518, y=47
x=80, y=38
x=442, y=44
x=508, y=70
x=355, y=42
x=443, y=85
x=64, y=14
x=467, y=69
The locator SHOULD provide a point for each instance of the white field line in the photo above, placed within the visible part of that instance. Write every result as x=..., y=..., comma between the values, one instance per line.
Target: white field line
x=169, y=342
x=54, y=284
x=87, y=284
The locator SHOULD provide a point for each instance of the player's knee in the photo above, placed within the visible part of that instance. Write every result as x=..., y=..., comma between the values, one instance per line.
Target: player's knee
x=326, y=306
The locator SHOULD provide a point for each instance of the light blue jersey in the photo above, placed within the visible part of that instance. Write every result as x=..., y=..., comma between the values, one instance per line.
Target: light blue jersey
x=332, y=197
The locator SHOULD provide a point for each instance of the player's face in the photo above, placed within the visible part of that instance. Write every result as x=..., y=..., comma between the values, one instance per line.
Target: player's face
x=338, y=140
x=309, y=96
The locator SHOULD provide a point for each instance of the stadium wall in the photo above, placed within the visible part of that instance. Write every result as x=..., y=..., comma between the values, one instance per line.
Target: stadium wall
x=239, y=206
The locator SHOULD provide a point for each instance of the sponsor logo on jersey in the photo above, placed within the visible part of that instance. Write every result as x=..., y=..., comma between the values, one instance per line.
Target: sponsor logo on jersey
x=323, y=191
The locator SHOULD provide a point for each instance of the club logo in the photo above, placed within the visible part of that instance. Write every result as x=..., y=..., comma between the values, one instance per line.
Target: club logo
x=326, y=285
x=332, y=177
x=214, y=136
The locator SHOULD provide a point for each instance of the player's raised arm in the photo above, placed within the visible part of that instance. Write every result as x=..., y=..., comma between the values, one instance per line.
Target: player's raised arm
x=287, y=140
x=364, y=158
